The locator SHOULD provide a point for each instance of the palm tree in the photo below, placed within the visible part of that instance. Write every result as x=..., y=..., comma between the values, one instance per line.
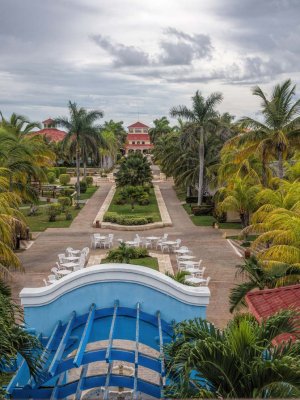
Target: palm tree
x=240, y=361
x=255, y=276
x=14, y=339
x=81, y=130
x=279, y=233
x=202, y=118
x=18, y=124
x=180, y=277
x=239, y=196
x=22, y=158
x=161, y=128
x=134, y=171
x=280, y=127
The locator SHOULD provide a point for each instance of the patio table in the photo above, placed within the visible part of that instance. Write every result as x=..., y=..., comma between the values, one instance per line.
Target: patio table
x=64, y=272
x=71, y=258
x=189, y=263
x=152, y=239
x=69, y=265
x=182, y=251
x=193, y=270
x=186, y=257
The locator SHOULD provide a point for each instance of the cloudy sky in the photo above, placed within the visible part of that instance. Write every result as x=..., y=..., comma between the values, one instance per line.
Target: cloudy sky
x=140, y=57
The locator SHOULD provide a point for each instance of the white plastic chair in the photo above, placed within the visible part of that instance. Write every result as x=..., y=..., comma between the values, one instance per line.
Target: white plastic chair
x=62, y=258
x=54, y=270
x=95, y=241
x=45, y=282
x=51, y=278
x=176, y=246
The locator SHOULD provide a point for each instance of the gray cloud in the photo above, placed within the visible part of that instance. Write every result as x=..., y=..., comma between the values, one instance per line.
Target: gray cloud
x=123, y=55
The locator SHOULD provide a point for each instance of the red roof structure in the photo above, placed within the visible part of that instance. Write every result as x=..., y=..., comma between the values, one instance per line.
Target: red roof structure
x=264, y=303
x=48, y=121
x=138, y=136
x=52, y=134
x=138, y=125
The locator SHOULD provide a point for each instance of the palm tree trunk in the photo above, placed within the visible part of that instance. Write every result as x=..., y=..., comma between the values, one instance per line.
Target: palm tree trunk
x=84, y=169
x=264, y=175
x=280, y=164
x=77, y=175
x=201, y=167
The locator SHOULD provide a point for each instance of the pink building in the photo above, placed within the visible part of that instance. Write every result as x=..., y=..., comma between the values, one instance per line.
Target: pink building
x=138, y=138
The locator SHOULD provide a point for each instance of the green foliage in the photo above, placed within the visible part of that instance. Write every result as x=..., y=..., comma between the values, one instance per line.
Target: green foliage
x=240, y=361
x=64, y=179
x=67, y=192
x=126, y=220
x=62, y=170
x=133, y=195
x=83, y=186
x=51, y=177
x=53, y=210
x=64, y=202
x=89, y=180
x=202, y=210
x=55, y=170
x=134, y=171
x=14, y=339
x=124, y=254
x=68, y=214
x=180, y=277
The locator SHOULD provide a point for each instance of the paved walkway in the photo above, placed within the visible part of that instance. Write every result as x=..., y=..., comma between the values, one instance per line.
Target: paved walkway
x=206, y=243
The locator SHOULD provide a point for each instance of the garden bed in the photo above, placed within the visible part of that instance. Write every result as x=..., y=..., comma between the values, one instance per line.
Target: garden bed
x=122, y=214
x=150, y=262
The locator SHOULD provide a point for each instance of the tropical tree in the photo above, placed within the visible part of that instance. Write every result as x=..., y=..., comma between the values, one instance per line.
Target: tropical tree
x=239, y=196
x=134, y=171
x=279, y=235
x=18, y=124
x=22, y=158
x=280, y=127
x=256, y=276
x=82, y=131
x=241, y=361
x=202, y=118
x=14, y=339
x=161, y=127
x=10, y=221
x=180, y=277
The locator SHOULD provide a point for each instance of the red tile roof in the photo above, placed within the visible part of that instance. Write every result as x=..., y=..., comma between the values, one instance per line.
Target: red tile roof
x=53, y=134
x=263, y=303
x=138, y=125
x=48, y=121
x=138, y=136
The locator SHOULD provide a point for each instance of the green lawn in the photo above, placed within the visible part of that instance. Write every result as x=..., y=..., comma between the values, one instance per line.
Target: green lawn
x=89, y=192
x=150, y=262
x=40, y=222
x=151, y=210
x=208, y=220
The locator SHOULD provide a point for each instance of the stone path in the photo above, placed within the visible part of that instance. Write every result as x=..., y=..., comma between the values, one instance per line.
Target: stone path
x=207, y=244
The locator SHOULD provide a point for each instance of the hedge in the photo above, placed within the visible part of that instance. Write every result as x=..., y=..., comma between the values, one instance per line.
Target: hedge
x=202, y=210
x=64, y=179
x=123, y=220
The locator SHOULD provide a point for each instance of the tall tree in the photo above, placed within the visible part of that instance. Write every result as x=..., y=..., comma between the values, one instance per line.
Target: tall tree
x=161, y=128
x=81, y=130
x=18, y=124
x=240, y=361
x=202, y=118
x=280, y=126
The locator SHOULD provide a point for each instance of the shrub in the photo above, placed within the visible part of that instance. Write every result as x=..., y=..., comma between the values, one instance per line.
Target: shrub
x=120, y=201
x=124, y=254
x=64, y=202
x=191, y=199
x=53, y=210
x=89, y=180
x=83, y=186
x=221, y=217
x=68, y=214
x=62, y=170
x=67, y=191
x=202, y=210
x=51, y=177
x=64, y=179
x=143, y=200
x=123, y=220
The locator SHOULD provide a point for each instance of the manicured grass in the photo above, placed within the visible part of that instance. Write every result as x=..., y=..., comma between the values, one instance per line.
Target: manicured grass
x=208, y=220
x=89, y=192
x=150, y=262
x=40, y=222
x=150, y=210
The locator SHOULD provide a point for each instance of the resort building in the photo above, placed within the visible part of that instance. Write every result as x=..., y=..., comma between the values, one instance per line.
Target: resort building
x=50, y=131
x=138, y=138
